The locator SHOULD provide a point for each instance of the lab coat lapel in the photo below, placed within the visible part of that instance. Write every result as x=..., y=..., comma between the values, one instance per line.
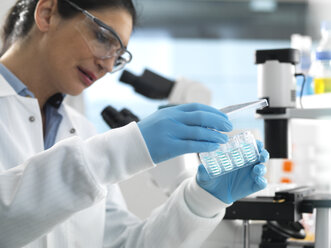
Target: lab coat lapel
x=5, y=88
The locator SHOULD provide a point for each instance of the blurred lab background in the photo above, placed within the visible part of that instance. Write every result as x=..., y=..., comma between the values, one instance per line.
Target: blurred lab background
x=213, y=42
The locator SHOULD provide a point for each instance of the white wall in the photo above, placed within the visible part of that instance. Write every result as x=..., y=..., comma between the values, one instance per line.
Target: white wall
x=319, y=10
x=5, y=5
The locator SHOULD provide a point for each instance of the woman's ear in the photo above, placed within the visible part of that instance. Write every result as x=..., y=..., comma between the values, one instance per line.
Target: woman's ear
x=45, y=10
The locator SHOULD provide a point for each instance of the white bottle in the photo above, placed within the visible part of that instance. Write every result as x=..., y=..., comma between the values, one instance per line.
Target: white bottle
x=325, y=43
x=303, y=43
x=321, y=67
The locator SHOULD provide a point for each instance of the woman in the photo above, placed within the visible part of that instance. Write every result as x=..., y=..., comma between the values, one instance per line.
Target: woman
x=57, y=182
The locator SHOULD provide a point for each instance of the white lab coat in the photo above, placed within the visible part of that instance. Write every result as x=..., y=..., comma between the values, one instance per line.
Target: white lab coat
x=67, y=196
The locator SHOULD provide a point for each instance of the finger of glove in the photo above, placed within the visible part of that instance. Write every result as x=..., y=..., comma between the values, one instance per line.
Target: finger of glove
x=259, y=184
x=259, y=145
x=257, y=174
x=190, y=107
x=202, y=175
x=206, y=119
x=201, y=134
x=259, y=170
x=264, y=156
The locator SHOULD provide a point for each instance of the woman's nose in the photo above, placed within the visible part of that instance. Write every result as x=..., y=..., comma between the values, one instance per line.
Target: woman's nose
x=106, y=64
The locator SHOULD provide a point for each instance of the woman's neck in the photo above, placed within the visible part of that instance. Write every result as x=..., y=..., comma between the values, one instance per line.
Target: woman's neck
x=25, y=62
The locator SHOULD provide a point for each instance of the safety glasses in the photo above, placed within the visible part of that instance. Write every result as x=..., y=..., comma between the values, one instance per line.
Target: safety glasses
x=101, y=39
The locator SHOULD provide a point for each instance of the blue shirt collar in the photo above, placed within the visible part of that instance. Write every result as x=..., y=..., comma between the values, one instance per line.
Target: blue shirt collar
x=14, y=82
x=22, y=90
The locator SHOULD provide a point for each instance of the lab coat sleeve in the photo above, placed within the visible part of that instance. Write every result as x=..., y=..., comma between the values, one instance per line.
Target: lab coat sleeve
x=173, y=224
x=51, y=186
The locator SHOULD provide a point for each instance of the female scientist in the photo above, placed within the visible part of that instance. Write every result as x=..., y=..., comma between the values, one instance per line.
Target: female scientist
x=57, y=182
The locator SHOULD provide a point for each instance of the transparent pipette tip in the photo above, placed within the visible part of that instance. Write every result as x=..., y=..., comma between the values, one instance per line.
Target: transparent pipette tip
x=233, y=110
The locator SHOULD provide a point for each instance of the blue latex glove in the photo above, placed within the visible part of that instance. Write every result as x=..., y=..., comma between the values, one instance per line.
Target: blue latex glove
x=187, y=128
x=237, y=184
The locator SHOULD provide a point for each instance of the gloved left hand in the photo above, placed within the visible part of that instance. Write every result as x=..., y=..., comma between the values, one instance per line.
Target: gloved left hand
x=187, y=128
x=237, y=184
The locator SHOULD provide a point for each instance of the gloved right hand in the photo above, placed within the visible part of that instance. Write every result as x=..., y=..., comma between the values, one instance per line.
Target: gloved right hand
x=237, y=184
x=187, y=128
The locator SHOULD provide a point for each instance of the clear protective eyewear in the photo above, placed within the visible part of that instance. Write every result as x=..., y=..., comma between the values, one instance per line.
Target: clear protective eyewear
x=102, y=40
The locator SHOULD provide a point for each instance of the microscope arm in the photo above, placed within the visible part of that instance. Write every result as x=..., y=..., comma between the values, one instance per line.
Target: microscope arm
x=178, y=91
x=188, y=91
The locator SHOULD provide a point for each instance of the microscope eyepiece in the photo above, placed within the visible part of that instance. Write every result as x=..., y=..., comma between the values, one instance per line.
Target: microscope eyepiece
x=116, y=118
x=149, y=84
x=128, y=78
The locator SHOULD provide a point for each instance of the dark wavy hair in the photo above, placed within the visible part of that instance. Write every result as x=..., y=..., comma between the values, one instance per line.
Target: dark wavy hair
x=20, y=18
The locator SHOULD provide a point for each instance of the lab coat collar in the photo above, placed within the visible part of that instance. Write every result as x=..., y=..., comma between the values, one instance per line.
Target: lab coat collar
x=5, y=88
x=56, y=100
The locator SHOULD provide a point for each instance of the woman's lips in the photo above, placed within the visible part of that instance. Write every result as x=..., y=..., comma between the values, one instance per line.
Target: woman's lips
x=88, y=77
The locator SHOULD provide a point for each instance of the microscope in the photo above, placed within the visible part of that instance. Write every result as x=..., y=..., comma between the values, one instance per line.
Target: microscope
x=282, y=212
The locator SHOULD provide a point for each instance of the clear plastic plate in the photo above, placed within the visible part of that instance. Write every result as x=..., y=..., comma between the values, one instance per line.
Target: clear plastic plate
x=240, y=151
